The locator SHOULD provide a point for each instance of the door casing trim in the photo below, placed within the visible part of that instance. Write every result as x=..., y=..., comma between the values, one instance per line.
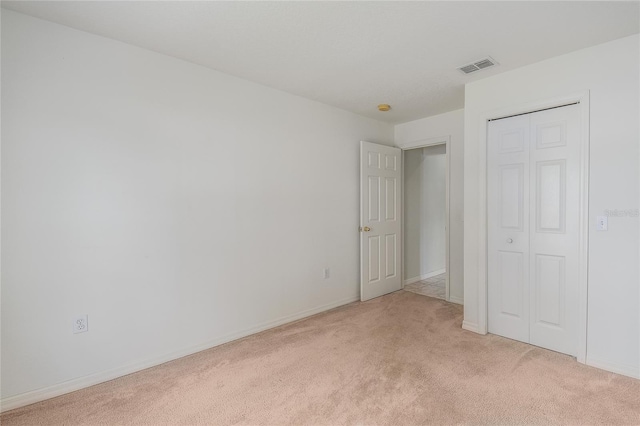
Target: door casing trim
x=582, y=98
x=424, y=143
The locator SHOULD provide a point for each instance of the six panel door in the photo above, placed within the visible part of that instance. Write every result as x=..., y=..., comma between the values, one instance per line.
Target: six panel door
x=533, y=201
x=380, y=226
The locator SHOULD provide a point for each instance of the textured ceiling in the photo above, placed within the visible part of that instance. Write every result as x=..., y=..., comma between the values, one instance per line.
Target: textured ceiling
x=353, y=55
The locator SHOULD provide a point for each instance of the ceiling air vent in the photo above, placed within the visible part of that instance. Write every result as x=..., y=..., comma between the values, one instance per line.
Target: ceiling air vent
x=478, y=65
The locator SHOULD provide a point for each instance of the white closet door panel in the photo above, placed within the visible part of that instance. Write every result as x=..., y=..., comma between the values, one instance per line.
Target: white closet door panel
x=533, y=221
x=508, y=201
x=555, y=193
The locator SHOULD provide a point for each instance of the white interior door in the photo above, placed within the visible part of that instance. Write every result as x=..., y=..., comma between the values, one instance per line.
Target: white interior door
x=380, y=220
x=534, y=200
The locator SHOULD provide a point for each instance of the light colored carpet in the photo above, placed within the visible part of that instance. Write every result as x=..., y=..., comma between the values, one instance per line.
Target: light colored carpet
x=398, y=359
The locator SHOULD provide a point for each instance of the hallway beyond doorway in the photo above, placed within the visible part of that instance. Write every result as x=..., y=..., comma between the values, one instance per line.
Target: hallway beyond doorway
x=432, y=287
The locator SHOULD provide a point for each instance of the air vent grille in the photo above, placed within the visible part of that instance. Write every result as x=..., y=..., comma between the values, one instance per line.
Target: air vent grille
x=469, y=69
x=478, y=65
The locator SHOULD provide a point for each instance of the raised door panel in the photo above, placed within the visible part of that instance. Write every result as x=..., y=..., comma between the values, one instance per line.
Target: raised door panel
x=549, y=133
x=549, y=290
x=550, y=189
x=373, y=189
x=391, y=198
x=510, y=283
x=511, y=196
x=391, y=255
x=373, y=159
x=375, y=256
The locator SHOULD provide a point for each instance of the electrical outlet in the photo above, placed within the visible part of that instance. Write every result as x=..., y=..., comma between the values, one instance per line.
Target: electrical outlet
x=81, y=324
x=327, y=273
x=602, y=223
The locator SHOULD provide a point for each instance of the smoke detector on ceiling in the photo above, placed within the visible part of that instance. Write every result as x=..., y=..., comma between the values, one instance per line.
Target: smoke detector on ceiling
x=478, y=65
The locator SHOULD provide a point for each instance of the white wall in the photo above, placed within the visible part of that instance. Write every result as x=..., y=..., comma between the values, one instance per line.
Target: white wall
x=177, y=206
x=450, y=124
x=611, y=73
x=424, y=211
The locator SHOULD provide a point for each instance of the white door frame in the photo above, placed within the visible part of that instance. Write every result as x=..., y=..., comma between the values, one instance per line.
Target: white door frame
x=583, y=99
x=424, y=143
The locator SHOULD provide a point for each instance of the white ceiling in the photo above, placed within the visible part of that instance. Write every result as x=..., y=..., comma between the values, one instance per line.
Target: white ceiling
x=353, y=55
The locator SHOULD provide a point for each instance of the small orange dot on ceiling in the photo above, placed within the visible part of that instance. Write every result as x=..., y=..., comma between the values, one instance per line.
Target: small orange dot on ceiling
x=384, y=107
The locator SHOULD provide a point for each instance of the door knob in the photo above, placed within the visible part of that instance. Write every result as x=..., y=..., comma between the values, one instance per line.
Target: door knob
x=365, y=229
x=509, y=240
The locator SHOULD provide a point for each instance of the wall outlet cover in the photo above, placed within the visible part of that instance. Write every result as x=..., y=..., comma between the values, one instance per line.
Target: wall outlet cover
x=81, y=324
x=602, y=223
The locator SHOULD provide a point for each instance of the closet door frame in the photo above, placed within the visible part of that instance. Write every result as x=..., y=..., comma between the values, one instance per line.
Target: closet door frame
x=582, y=98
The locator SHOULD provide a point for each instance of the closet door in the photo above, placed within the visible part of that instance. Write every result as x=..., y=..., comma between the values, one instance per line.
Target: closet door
x=508, y=227
x=554, y=228
x=533, y=194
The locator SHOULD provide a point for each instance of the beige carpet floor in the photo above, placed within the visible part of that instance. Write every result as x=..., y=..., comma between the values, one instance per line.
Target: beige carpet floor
x=399, y=359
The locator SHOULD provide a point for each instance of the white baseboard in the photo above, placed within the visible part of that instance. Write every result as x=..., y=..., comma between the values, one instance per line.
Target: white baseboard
x=457, y=300
x=38, y=395
x=424, y=277
x=466, y=325
x=625, y=370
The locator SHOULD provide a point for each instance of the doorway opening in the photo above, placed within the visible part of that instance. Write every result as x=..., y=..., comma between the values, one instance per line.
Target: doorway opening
x=426, y=219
